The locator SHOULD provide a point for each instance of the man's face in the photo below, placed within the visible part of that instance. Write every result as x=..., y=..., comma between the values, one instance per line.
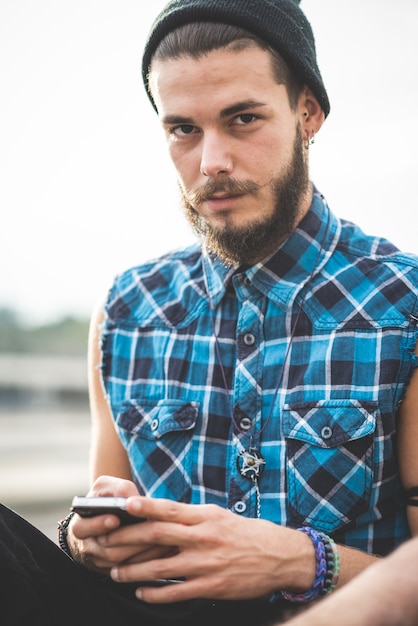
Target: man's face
x=237, y=148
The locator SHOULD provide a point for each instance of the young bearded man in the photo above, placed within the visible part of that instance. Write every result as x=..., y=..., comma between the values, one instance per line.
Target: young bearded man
x=254, y=395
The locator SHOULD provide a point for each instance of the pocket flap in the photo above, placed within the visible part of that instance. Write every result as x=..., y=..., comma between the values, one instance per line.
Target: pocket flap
x=329, y=423
x=152, y=421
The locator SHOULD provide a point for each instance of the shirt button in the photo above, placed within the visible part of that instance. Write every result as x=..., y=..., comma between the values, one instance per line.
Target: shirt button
x=240, y=507
x=249, y=339
x=326, y=432
x=247, y=281
x=245, y=423
x=154, y=424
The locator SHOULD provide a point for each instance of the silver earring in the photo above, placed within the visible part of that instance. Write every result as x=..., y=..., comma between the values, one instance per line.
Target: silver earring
x=309, y=141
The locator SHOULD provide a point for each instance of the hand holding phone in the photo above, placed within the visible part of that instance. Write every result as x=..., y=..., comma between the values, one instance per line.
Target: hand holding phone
x=89, y=506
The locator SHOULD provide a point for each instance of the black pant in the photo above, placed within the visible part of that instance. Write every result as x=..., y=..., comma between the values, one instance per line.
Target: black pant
x=42, y=586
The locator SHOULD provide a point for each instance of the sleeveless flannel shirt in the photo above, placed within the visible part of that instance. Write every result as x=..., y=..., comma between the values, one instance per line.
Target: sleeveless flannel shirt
x=327, y=433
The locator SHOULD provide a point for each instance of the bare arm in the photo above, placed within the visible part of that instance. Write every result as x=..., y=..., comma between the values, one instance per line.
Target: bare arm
x=408, y=445
x=107, y=455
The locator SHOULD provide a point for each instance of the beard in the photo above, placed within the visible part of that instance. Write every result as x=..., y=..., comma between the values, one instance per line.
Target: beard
x=238, y=245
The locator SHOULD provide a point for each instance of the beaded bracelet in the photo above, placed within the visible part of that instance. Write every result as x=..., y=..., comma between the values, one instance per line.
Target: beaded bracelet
x=321, y=569
x=63, y=532
x=333, y=564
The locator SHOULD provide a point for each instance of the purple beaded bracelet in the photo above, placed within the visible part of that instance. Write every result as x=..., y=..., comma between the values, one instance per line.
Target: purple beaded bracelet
x=321, y=569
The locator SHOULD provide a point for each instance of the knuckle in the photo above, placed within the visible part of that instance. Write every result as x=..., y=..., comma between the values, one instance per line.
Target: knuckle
x=213, y=511
x=160, y=570
x=110, y=556
x=218, y=587
x=173, y=511
x=157, y=533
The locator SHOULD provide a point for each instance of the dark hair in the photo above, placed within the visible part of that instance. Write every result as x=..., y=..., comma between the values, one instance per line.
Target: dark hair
x=196, y=39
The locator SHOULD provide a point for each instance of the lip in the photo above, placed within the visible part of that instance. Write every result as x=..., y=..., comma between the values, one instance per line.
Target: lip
x=220, y=203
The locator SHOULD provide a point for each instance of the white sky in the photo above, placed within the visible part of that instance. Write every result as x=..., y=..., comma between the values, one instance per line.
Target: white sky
x=86, y=189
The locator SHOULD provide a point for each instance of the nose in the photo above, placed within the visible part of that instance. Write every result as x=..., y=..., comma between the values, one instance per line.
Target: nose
x=215, y=159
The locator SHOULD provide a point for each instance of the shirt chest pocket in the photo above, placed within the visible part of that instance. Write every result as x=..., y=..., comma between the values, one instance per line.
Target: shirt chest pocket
x=158, y=439
x=329, y=461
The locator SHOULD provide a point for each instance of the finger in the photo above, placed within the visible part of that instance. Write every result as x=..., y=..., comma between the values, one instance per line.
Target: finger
x=149, y=571
x=172, y=565
x=89, y=555
x=170, y=511
x=95, y=526
x=112, y=486
x=173, y=591
x=91, y=552
x=151, y=554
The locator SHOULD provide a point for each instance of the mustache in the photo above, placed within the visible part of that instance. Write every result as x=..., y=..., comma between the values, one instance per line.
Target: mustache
x=228, y=186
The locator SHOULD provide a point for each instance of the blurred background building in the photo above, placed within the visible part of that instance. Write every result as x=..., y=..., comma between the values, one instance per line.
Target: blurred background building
x=44, y=418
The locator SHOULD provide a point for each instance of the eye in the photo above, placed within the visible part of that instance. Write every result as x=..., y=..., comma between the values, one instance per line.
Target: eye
x=183, y=130
x=245, y=118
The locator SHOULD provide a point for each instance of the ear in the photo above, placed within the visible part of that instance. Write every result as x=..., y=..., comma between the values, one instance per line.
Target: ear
x=310, y=113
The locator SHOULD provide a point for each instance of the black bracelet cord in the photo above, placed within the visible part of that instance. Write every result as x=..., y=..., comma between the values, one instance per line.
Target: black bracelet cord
x=411, y=496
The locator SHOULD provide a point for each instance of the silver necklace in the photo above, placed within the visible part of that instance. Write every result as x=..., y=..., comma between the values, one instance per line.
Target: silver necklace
x=250, y=462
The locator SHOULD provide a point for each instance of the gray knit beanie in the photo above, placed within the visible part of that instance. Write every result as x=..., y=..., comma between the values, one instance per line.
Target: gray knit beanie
x=280, y=23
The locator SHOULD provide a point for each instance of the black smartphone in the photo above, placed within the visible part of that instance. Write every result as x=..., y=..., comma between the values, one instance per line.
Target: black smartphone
x=89, y=506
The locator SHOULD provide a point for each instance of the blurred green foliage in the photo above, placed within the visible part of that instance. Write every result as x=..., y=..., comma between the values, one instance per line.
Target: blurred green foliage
x=67, y=336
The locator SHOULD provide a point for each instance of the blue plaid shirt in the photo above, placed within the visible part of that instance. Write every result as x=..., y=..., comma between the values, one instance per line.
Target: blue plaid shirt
x=326, y=432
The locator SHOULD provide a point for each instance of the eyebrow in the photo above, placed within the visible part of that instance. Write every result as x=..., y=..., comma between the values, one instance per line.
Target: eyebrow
x=241, y=106
x=231, y=110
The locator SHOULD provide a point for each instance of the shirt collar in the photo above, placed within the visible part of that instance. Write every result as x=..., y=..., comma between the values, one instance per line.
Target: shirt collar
x=284, y=273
